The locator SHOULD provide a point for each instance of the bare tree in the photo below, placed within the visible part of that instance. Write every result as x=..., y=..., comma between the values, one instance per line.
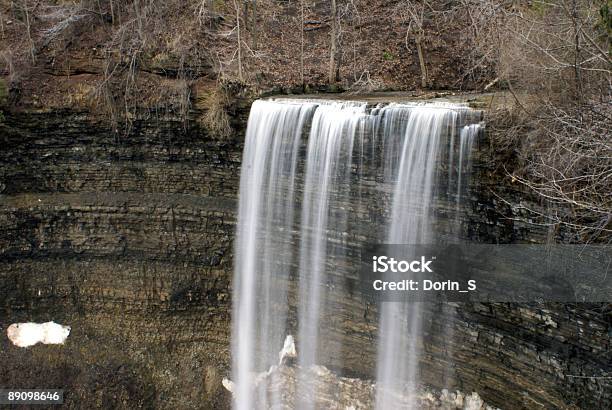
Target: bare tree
x=2, y=25
x=254, y=25
x=25, y=8
x=484, y=37
x=353, y=16
x=554, y=61
x=302, y=43
x=245, y=13
x=333, y=49
x=250, y=20
x=568, y=163
x=112, y=11
x=415, y=15
x=239, y=40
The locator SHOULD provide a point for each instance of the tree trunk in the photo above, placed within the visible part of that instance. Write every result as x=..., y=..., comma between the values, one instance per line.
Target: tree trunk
x=333, y=48
x=302, y=43
x=237, y=7
x=245, y=17
x=254, y=25
x=28, y=29
x=577, y=58
x=421, y=61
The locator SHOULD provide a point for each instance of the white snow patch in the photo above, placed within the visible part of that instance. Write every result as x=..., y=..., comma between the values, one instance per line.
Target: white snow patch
x=29, y=334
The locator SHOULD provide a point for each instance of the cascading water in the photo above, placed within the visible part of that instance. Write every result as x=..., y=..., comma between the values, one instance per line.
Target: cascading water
x=414, y=180
x=264, y=234
x=467, y=137
x=295, y=229
x=328, y=166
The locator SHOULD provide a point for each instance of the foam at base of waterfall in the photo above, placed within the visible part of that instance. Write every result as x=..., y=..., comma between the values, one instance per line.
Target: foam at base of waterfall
x=343, y=393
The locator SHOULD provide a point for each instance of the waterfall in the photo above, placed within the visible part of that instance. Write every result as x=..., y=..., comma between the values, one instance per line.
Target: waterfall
x=414, y=184
x=467, y=137
x=264, y=234
x=311, y=173
x=328, y=166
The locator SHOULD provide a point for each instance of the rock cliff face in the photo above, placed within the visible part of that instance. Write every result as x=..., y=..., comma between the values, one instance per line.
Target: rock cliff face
x=128, y=240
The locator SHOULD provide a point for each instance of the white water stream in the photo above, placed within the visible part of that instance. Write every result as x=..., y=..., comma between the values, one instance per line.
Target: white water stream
x=300, y=185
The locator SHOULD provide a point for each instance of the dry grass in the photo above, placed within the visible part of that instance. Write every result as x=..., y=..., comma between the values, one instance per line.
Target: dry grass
x=215, y=118
x=82, y=95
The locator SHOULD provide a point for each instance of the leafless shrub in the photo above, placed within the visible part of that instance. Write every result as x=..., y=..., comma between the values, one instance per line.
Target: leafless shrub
x=568, y=162
x=24, y=10
x=554, y=57
x=120, y=73
x=486, y=29
x=63, y=18
x=205, y=13
x=140, y=44
x=507, y=129
x=365, y=84
x=554, y=46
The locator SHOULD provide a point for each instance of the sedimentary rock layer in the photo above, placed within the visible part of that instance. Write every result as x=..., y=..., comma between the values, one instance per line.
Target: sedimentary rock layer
x=127, y=238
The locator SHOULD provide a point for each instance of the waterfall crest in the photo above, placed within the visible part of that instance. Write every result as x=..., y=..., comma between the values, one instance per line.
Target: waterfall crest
x=312, y=172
